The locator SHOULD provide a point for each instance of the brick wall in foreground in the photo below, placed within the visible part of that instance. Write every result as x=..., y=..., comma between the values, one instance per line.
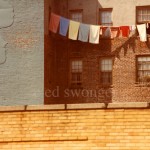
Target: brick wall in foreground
x=44, y=128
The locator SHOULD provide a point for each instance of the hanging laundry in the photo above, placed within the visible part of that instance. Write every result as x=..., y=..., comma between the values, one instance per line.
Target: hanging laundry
x=125, y=30
x=115, y=32
x=73, y=29
x=54, y=22
x=102, y=31
x=84, y=32
x=132, y=30
x=142, y=32
x=147, y=25
x=107, y=32
x=94, y=34
x=148, y=28
x=111, y=32
x=133, y=27
x=64, y=24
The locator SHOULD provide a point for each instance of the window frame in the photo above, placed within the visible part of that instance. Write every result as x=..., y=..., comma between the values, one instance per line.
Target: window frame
x=137, y=81
x=70, y=73
x=76, y=11
x=139, y=8
x=100, y=71
x=105, y=10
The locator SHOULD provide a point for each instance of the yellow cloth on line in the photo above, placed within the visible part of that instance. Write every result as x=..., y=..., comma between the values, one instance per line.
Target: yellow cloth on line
x=73, y=30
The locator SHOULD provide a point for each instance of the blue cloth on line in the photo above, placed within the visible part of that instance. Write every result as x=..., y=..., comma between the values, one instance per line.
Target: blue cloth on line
x=64, y=24
x=84, y=32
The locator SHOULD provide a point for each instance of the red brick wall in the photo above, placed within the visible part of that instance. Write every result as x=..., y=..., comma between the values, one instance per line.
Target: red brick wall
x=59, y=51
x=124, y=74
x=124, y=87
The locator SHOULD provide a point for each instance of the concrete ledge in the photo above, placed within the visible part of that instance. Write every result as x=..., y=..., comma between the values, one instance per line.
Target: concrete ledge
x=128, y=105
x=86, y=106
x=12, y=108
x=31, y=108
x=46, y=107
x=75, y=106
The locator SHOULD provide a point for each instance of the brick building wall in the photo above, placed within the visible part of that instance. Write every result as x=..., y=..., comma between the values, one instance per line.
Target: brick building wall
x=124, y=50
x=22, y=77
x=44, y=128
x=122, y=13
x=124, y=87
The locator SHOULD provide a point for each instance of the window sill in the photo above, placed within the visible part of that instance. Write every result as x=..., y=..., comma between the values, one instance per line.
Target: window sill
x=142, y=84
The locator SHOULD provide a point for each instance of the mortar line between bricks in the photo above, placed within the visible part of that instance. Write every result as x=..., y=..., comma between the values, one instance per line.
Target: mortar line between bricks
x=32, y=141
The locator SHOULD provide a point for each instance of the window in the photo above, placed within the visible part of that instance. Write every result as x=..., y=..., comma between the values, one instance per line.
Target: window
x=143, y=69
x=106, y=71
x=106, y=17
x=76, y=73
x=143, y=16
x=76, y=15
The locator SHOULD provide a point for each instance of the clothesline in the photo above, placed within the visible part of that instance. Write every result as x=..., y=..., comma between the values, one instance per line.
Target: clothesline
x=86, y=32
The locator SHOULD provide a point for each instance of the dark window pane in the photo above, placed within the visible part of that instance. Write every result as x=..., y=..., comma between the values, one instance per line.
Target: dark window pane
x=143, y=14
x=106, y=17
x=106, y=78
x=76, y=73
x=106, y=71
x=143, y=69
x=76, y=16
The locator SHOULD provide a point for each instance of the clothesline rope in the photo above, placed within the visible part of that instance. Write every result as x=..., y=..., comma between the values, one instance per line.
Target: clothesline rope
x=87, y=32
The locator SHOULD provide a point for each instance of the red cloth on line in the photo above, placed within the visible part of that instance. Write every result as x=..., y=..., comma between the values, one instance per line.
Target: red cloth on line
x=54, y=22
x=103, y=29
x=125, y=31
x=115, y=31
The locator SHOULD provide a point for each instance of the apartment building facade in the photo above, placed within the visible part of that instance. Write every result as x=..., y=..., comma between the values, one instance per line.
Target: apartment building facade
x=115, y=70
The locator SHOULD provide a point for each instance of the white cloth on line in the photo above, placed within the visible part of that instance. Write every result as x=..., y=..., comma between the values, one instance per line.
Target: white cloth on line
x=142, y=32
x=94, y=34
